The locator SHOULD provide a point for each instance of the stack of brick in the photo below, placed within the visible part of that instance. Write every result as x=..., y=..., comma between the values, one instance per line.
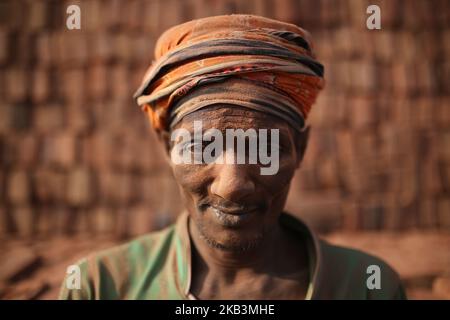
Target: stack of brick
x=77, y=155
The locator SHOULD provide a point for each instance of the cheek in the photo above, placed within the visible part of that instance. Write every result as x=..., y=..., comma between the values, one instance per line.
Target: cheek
x=191, y=178
x=280, y=181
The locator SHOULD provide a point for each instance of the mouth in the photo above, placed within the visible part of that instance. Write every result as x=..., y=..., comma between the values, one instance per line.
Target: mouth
x=233, y=217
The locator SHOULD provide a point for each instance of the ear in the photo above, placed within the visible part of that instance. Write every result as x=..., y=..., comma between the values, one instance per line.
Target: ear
x=301, y=140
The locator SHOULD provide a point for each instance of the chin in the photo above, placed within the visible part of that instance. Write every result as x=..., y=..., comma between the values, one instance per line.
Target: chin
x=232, y=240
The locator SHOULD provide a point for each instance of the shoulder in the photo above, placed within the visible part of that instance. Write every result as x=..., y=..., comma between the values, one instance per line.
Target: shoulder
x=112, y=273
x=359, y=275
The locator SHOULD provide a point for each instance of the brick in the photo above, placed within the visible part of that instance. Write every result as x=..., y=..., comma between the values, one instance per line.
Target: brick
x=122, y=47
x=159, y=192
x=5, y=117
x=309, y=13
x=120, y=83
x=4, y=222
x=21, y=115
x=112, y=114
x=385, y=45
x=116, y=188
x=127, y=150
x=27, y=150
x=363, y=77
x=79, y=118
x=134, y=15
x=372, y=214
x=2, y=189
x=4, y=47
x=423, y=113
x=428, y=40
x=392, y=217
x=442, y=112
x=171, y=13
x=45, y=225
x=24, y=221
x=141, y=50
x=363, y=113
x=98, y=80
x=445, y=34
x=16, y=14
x=406, y=47
x=18, y=263
x=324, y=46
x=442, y=13
x=79, y=187
x=441, y=287
x=37, y=15
x=18, y=188
x=123, y=222
x=261, y=7
x=343, y=40
x=48, y=118
x=285, y=10
x=59, y=150
x=350, y=215
x=407, y=182
x=44, y=52
x=82, y=223
x=425, y=76
x=41, y=86
x=445, y=175
x=388, y=145
x=341, y=75
x=100, y=48
x=49, y=186
x=98, y=150
x=62, y=220
x=329, y=111
x=357, y=11
x=152, y=12
x=22, y=53
x=113, y=14
x=93, y=20
x=104, y=220
x=444, y=146
x=327, y=173
x=323, y=215
x=141, y=220
x=427, y=213
x=74, y=50
x=390, y=12
x=16, y=85
x=403, y=78
x=443, y=207
x=401, y=112
x=74, y=89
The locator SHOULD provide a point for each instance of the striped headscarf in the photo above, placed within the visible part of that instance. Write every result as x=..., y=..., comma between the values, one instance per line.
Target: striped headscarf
x=241, y=60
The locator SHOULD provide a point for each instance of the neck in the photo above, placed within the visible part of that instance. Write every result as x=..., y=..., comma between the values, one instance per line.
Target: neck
x=229, y=263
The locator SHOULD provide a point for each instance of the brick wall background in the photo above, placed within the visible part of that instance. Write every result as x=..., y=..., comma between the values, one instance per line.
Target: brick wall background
x=77, y=155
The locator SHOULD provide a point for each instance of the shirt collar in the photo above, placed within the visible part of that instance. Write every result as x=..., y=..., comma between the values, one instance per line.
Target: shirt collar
x=182, y=268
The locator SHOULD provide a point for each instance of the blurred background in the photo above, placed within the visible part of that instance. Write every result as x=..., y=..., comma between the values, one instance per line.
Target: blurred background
x=82, y=171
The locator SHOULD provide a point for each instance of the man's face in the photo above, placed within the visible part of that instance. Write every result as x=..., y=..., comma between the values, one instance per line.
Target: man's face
x=234, y=206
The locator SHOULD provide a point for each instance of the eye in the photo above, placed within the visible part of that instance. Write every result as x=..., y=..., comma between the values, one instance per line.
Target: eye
x=193, y=146
x=275, y=146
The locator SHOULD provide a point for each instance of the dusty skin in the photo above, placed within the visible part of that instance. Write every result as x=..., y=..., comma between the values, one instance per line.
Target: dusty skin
x=234, y=212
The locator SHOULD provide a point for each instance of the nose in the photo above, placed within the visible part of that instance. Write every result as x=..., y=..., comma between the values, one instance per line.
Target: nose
x=233, y=182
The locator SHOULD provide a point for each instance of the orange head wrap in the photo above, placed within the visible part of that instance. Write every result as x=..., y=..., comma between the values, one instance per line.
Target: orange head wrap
x=248, y=51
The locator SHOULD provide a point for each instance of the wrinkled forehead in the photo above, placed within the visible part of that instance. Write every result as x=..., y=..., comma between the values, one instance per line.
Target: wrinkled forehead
x=222, y=117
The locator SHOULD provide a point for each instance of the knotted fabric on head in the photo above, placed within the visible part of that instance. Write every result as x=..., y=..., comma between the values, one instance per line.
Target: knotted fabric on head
x=241, y=60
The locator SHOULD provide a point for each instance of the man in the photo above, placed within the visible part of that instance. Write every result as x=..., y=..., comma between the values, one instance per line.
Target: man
x=248, y=78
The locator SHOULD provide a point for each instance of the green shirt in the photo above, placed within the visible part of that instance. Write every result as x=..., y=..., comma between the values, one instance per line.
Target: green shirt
x=158, y=266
